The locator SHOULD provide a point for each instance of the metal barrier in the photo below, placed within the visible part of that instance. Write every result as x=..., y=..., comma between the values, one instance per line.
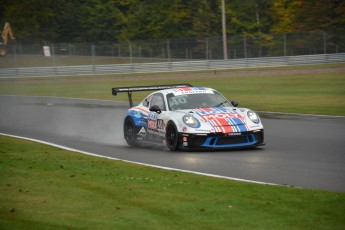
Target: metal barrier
x=173, y=66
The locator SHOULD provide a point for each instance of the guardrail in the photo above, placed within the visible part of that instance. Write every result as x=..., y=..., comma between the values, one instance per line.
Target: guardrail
x=172, y=66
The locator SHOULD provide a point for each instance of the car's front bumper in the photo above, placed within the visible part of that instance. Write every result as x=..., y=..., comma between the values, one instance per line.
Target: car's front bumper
x=221, y=140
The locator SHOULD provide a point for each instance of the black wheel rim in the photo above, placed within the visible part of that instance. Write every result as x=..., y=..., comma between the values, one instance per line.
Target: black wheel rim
x=129, y=131
x=171, y=137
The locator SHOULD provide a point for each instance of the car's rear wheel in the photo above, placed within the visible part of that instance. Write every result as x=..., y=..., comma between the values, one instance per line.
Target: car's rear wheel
x=130, y=132
x=172, y=139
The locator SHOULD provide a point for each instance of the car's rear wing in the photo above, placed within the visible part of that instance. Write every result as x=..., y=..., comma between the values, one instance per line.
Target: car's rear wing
x=131, y=89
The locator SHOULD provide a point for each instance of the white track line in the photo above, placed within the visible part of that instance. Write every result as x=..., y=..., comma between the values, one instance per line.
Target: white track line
x=134, y=162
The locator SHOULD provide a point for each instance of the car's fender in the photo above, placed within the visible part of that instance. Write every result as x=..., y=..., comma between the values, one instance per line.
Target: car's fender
x=139, y=118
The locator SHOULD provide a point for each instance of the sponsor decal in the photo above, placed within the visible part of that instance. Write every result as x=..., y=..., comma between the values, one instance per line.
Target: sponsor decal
x=160, y=125
x=142, y=131
x=222, y=119
x=152, y=116
x=140, y=122
x=194, y=90
x=152, y=120
x=152, y=124
x=156, y=133
x=177, y=101
x=234, y=134
x=215, y=113
x=204, y=130
x=156, y=124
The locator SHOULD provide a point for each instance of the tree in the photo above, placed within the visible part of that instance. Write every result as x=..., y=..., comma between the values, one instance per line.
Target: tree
x=122, y=20
x=103, y=20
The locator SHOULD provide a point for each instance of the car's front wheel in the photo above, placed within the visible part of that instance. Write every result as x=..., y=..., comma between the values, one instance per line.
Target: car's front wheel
x=130, y=132
x=172, y=137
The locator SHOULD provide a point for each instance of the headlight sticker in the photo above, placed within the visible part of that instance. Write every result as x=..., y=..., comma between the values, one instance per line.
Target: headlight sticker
x=253, y=117
x=191, y=121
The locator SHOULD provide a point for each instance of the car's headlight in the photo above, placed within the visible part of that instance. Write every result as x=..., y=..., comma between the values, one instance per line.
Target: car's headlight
x=191, y=121
x=253, y=117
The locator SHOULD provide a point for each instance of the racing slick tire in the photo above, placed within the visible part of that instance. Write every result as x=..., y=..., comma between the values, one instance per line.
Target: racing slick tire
x=130, y=132
x=172, y=139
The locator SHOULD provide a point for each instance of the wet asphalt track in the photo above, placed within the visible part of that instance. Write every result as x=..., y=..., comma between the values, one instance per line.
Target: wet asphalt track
x=302, y=151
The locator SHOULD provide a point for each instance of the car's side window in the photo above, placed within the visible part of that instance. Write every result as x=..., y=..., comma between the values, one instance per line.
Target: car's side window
x=157, y=99
x=146, y=102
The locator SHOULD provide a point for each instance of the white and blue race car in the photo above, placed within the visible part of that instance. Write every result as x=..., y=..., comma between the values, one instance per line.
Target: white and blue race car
x=186, y=117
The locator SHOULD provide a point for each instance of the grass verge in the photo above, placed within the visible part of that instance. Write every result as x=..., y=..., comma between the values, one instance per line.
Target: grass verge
x=43, y=187
x=280, y=91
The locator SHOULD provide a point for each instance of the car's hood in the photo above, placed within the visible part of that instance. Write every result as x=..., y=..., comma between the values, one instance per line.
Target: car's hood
x=216, y=113
x=226, y=120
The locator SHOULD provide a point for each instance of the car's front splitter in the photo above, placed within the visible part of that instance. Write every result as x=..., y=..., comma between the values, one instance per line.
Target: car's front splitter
x=221, y=140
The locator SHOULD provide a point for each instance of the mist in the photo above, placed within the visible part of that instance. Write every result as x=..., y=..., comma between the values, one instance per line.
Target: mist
x=88, y=120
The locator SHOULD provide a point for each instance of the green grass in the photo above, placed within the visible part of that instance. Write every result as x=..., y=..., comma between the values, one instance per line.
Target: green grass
x=43, y=187
x=322, y=93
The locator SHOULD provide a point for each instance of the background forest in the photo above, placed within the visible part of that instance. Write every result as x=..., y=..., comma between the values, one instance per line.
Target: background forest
x=39, y=21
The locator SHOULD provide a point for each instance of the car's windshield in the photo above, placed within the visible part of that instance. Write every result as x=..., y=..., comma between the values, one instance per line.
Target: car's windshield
x=196, y=100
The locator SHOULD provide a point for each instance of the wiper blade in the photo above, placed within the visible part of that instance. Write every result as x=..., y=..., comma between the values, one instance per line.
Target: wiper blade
x=218, y=105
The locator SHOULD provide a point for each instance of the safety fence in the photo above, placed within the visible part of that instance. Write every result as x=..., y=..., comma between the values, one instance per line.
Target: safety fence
x=173, y=66
x=207, y=48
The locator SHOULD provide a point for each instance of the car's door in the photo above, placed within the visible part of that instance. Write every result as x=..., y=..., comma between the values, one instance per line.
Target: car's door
x=156, y=120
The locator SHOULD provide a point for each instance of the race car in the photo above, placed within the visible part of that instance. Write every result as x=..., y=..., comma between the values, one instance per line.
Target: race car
x=184, y=117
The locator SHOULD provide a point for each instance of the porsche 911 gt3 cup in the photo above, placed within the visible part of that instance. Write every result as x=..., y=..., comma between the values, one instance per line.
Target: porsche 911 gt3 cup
x=186, y=117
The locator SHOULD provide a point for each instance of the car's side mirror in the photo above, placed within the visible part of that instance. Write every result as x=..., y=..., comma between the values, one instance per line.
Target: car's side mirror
x=155, y=108
x=234, y=103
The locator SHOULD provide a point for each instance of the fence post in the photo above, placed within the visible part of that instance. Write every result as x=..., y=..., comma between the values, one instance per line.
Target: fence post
x=168, y=50
x=130, y=52
x=93, y=57
x=69, y=49
x=53, y=55
x=15, y=56
x=206, y=47
x=245, y=46
x=284, y=44
x=260, y=45
x=324, y=43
